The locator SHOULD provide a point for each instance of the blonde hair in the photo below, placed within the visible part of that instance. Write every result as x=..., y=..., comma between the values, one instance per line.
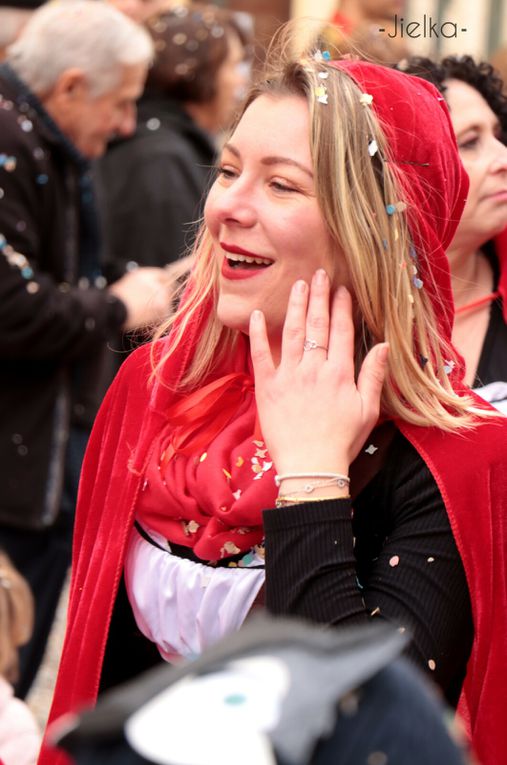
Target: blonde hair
x=16, y=616
x=353, y=190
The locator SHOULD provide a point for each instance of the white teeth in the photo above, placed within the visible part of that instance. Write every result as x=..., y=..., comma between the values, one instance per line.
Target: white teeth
x=247, y=259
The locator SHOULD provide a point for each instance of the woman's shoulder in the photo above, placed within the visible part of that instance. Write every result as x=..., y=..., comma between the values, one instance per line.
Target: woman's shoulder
x=138, y=368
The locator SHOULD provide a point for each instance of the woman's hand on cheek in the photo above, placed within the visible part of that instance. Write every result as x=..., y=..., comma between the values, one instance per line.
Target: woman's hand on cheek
x=314, y=416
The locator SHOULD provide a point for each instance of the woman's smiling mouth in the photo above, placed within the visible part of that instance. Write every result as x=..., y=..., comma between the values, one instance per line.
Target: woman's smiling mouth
x=240, y=263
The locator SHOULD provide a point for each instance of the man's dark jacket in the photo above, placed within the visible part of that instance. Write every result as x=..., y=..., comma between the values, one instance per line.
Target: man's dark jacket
x=151, y=186
x=52, y=329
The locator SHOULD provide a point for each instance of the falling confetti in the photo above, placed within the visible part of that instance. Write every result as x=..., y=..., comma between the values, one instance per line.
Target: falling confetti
x=153, y=123
x=371, y=449
x=394, y=561
x=432, y=665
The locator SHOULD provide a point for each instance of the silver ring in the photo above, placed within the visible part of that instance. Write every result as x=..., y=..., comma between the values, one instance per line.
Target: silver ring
x=310, y=345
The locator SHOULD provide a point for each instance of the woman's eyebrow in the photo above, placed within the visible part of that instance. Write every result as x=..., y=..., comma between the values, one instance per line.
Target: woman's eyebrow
x=274, y=160
x=477, y=126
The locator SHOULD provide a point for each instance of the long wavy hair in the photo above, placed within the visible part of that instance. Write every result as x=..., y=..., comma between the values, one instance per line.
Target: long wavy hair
x=353, y=190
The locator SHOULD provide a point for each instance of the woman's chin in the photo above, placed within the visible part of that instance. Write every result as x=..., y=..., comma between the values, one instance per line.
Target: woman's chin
x=232, y=320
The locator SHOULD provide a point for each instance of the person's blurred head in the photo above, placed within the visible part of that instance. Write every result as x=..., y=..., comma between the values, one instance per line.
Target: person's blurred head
x=16, y=616
x=478, y=109
x=87, y=64
x=202, y=60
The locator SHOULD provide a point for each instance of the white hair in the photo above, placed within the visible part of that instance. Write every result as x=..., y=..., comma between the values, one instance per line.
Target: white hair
x=87, y=34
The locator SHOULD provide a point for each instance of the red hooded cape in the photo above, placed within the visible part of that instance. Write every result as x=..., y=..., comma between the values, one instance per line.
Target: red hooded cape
x=469, y=469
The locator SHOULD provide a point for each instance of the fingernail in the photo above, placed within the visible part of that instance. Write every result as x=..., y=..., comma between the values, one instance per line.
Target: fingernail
x=256, y=315
x=320, y=276
x=300, y=287
x=341, y=291
x=383, y=353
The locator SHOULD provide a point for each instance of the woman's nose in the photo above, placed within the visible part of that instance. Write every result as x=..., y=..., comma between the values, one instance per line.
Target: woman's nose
x=235, y=204
x=499, y=158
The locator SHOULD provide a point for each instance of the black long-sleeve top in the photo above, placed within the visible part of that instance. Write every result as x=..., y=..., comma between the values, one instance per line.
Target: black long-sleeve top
x=392, y=555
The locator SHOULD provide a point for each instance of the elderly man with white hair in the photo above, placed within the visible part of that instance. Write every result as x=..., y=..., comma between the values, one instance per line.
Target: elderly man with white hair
x=69, y=84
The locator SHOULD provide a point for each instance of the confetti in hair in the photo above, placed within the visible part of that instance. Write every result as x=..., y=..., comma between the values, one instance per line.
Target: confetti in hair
x=372, y=148
x=365, y=99
x=321, y=94
x=321, y=55
x=392, y=208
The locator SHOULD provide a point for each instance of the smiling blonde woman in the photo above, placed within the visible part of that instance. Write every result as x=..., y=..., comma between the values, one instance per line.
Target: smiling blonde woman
x=299, y=435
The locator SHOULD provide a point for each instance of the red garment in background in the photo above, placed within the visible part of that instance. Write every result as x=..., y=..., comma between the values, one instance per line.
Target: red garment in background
x=501, y=253
x=342, y=21
x=469, y=469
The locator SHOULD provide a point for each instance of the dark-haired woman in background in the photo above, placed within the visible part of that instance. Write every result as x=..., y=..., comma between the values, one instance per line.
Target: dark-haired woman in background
x=150, y=186
x=478, y=253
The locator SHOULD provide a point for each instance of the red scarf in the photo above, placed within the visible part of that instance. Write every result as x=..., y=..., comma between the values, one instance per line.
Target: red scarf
x=210, y=476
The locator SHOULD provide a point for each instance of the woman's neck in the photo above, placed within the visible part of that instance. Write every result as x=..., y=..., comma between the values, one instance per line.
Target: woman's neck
x=471, y=275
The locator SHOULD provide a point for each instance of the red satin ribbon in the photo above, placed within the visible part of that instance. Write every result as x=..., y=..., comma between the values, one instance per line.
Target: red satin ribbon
x=200, y=416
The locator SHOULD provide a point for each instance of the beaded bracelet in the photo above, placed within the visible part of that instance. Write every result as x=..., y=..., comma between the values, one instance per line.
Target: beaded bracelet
x=331, y=479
